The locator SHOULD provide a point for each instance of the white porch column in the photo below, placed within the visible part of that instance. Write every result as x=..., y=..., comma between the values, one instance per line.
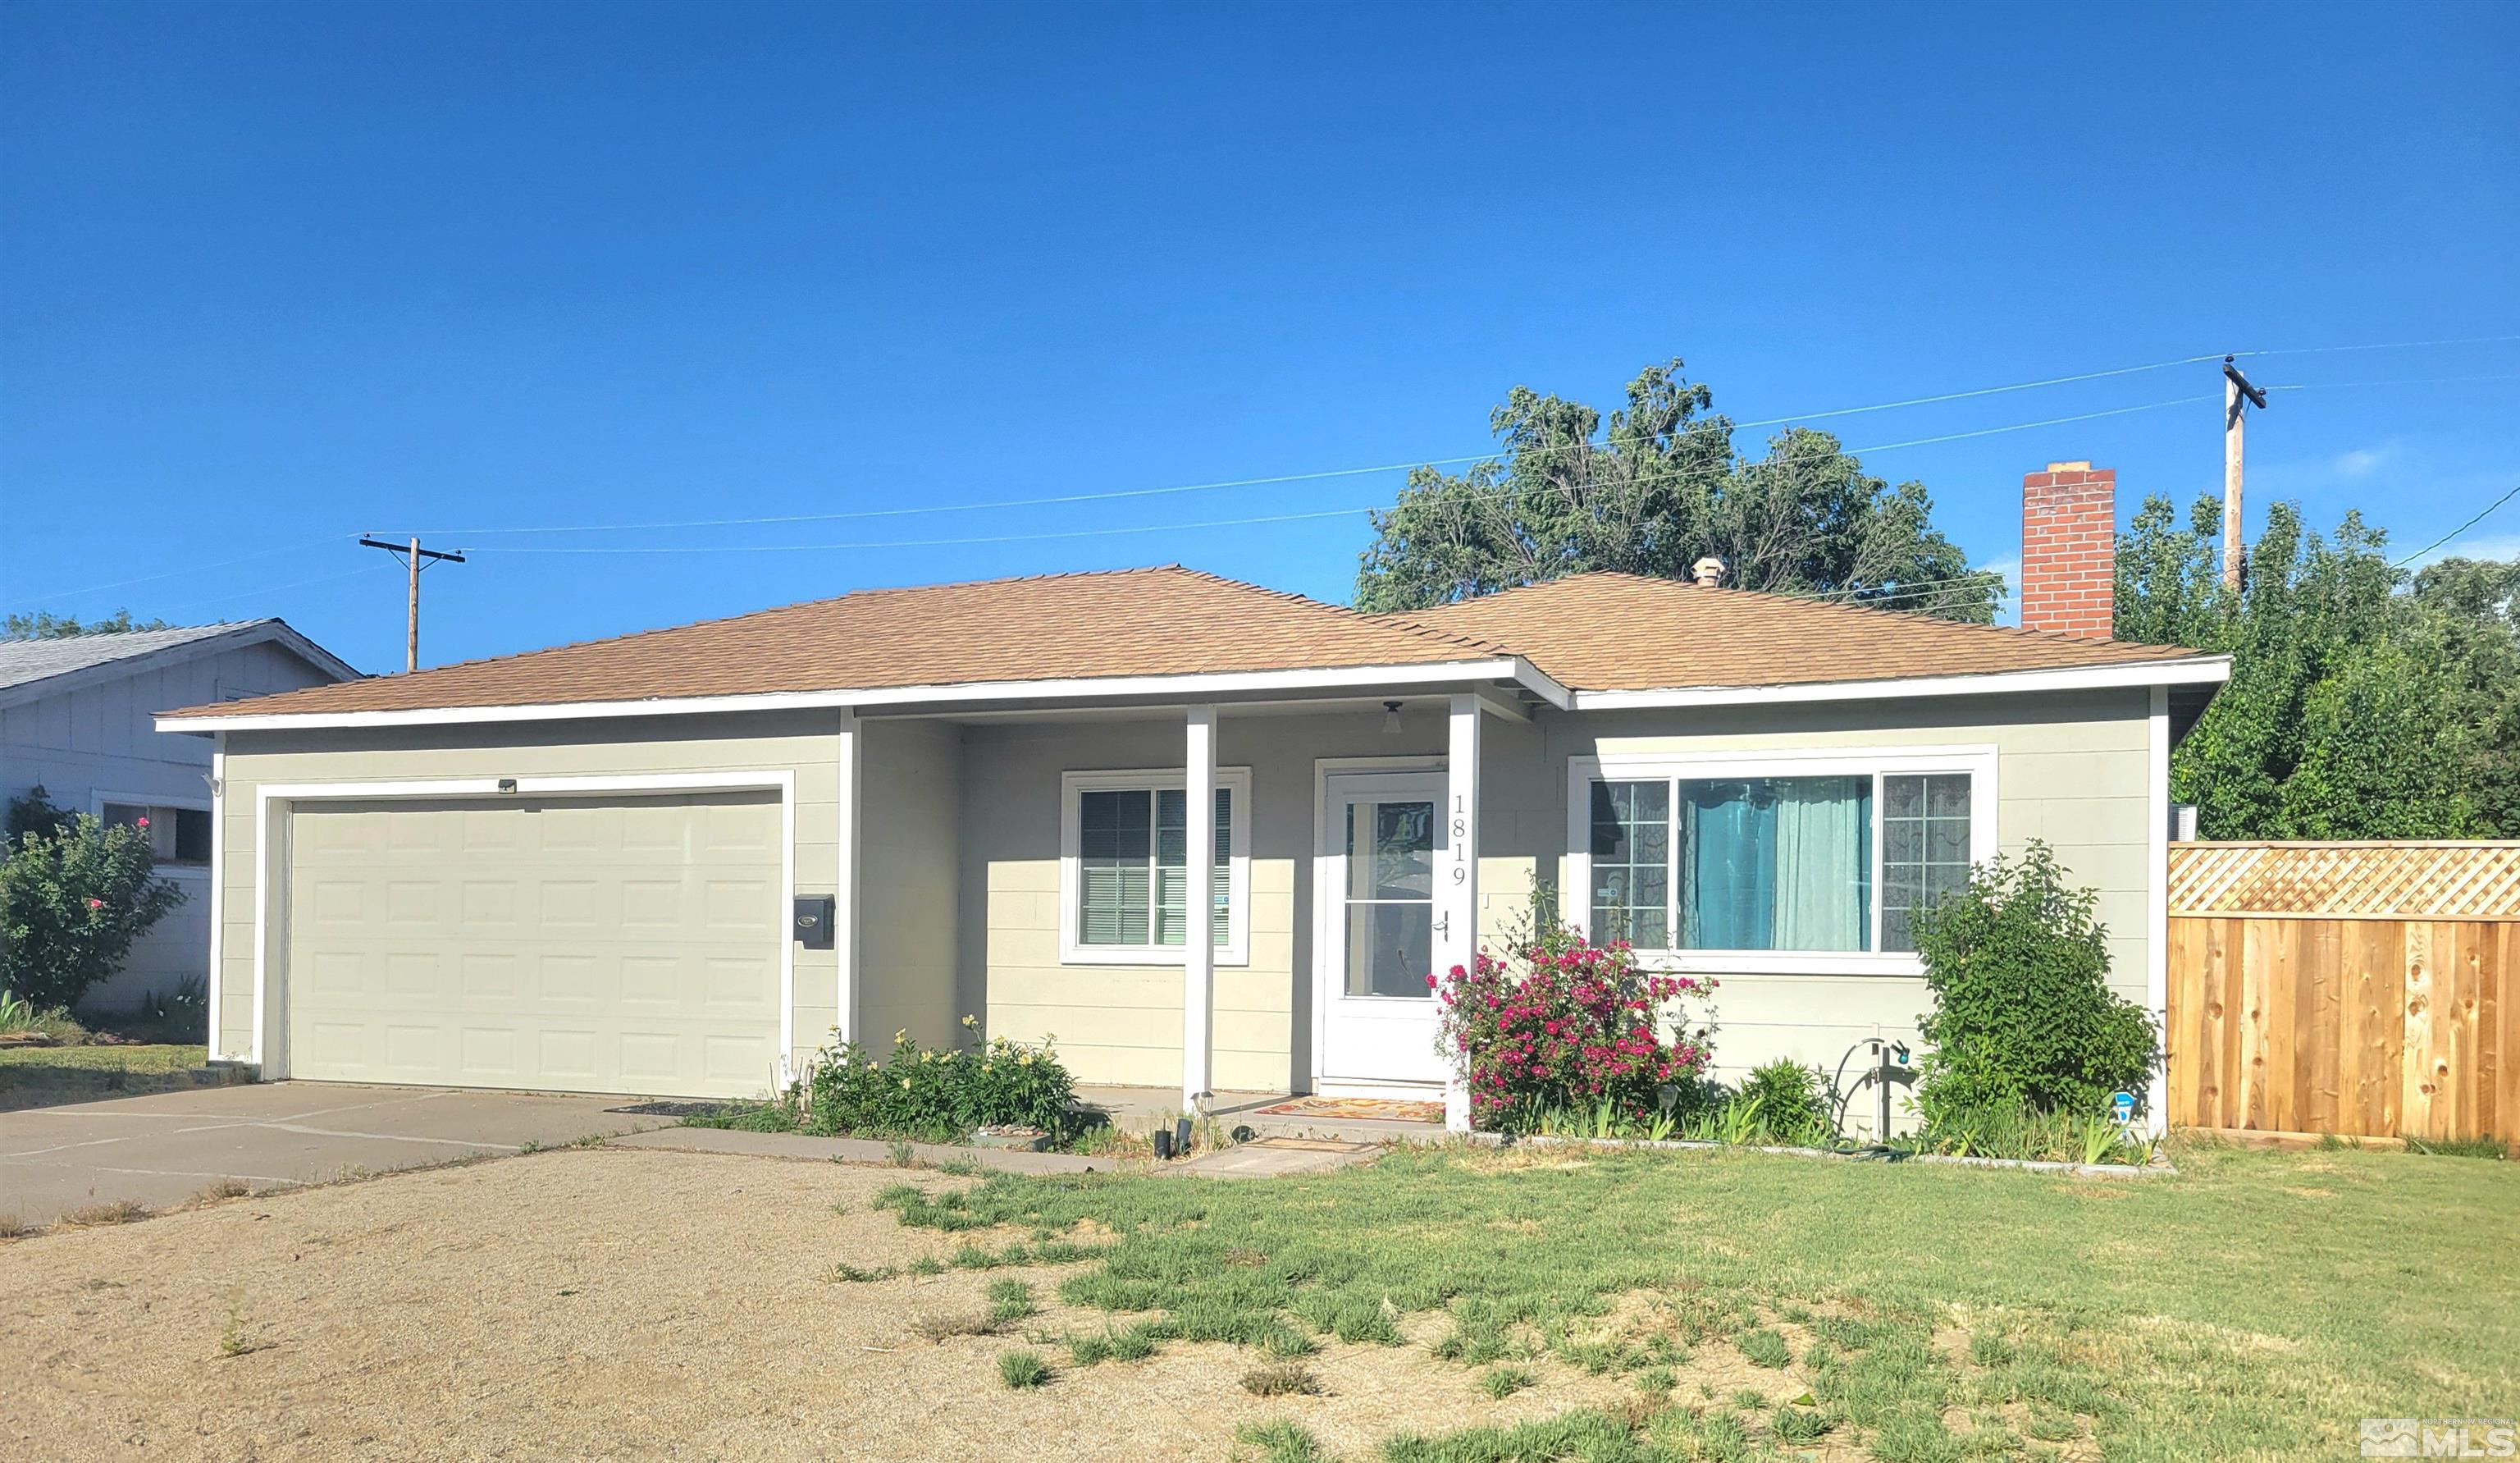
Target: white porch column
x=844, y=903
x=2156, y=912
x=1198, y=939
x=1457, y=876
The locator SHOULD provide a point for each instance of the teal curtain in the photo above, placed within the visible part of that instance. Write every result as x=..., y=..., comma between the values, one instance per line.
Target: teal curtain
x=1731, y=866
x=1823, y=863
x=1776, y=863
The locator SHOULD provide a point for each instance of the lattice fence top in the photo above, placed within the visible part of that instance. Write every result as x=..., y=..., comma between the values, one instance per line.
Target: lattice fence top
x=2441, y=881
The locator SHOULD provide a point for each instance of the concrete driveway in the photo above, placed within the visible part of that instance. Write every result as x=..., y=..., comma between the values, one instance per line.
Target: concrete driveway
x=163, y=1149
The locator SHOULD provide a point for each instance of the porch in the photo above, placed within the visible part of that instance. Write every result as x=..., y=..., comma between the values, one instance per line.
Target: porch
x=1208, y=909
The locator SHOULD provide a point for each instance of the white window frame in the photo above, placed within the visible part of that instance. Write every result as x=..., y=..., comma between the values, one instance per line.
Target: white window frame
x=99, y=797
x=1072, y=949
x=1875, y=762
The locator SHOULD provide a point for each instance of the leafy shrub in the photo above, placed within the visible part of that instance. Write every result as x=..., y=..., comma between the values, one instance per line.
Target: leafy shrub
x=74, y=895
x=2023, y=1015
x=1795, y=1105
x=941, y=1096
x=1570, y=1026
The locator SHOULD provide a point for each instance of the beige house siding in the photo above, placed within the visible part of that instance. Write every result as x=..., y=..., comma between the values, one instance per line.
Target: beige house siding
x=2070, y=768
x=959, y=905
x=907, y=887
x=804, y=744
x=1123, y=1023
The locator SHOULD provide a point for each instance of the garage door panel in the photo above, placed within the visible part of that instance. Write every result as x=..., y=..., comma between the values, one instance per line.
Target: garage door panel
x=631, y=946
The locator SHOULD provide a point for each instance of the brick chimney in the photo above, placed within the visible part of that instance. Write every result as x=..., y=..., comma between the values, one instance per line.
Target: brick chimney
x=2068, y=549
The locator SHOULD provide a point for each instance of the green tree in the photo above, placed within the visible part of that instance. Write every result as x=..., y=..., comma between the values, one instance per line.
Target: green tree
x=74, y=896
x=1650, y=491
x=43, y=625
x=2355, y=709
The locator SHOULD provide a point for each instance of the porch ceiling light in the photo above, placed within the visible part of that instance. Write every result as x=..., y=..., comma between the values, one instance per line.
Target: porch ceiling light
x=1391, y=719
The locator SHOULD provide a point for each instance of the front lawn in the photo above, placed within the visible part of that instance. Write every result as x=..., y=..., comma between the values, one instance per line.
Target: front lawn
x=17, y=1062
x=2256, y=1305
x=35, y=1077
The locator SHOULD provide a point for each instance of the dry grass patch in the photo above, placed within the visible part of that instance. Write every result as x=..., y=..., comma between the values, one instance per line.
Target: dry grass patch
x=113, y=1211
x=1281, y=1380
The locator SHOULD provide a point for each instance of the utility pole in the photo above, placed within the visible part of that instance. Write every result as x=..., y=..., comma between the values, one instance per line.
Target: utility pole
x=418, y=559
x=2237, y=396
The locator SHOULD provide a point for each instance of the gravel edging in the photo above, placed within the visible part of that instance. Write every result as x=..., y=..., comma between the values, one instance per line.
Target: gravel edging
x=2157, y=1169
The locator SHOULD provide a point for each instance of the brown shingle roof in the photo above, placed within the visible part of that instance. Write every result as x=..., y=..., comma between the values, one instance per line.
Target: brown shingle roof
x=1144, y=621
x=1626, y=632
x=1591, y=632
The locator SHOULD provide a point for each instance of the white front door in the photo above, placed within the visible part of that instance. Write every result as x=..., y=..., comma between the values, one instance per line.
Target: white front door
x=1379, y=847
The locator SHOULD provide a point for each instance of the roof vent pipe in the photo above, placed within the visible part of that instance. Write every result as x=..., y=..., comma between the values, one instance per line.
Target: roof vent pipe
x=1709, y=571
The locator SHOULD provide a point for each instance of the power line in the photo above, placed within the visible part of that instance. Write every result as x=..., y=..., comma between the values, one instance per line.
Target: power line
x=190, y=568
x=2480, y=517
x=218, y=599
x=1281, y=479
x=1236, y=522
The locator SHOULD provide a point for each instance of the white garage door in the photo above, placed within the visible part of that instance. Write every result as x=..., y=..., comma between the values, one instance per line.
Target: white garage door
x=626, y=945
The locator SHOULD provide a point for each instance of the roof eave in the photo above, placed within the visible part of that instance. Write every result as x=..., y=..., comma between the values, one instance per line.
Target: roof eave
x=1091, y=689
x=255, y=632
x=2185, y=671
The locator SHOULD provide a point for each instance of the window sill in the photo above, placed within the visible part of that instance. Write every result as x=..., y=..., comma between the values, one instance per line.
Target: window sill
x=1780, y=963
x=1146, y=955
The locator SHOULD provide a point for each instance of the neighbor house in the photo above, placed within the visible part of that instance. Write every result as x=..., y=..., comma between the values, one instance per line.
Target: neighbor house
x=1209, y=836
x=75, y=719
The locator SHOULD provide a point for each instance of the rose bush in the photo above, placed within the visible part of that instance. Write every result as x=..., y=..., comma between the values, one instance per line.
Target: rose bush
x=1560, y=1023
x=74, y=896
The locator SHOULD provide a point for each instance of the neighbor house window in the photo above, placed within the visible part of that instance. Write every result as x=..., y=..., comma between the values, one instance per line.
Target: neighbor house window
x=1125, y=870
x=177, y=836
x=1836, y=860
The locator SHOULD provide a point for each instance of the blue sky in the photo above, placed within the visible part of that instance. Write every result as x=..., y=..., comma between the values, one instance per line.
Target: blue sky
x=274, y=275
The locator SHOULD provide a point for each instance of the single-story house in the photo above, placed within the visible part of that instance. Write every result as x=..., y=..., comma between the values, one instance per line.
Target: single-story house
x=1210, y=835
x=76, y=720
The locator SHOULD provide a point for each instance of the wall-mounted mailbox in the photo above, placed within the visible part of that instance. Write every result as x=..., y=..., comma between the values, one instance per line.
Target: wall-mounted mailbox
x=813, y=921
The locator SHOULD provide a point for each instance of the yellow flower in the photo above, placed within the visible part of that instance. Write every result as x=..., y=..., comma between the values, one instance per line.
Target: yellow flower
x=970, y=1020
x=901, y=1035
x=1025, y=1061
x=905, y=1084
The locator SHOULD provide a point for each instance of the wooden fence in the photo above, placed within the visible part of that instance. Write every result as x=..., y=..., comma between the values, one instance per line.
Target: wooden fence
x=2365, y=990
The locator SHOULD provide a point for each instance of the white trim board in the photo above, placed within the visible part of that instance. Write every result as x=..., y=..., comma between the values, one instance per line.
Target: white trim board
x=268, y=1022
x=1979, y=760
x=2198, y=670
x=1220, y=683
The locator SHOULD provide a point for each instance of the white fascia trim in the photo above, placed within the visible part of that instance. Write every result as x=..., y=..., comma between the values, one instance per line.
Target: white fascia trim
x=274, y=862
x=2199, y=671
x=1090, y=688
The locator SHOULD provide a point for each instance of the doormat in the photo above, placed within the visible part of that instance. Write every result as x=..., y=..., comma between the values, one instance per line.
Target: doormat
x=1367, y=1109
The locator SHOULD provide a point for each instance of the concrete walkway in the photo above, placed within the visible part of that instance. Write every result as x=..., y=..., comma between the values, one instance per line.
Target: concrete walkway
x=163, y=1149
